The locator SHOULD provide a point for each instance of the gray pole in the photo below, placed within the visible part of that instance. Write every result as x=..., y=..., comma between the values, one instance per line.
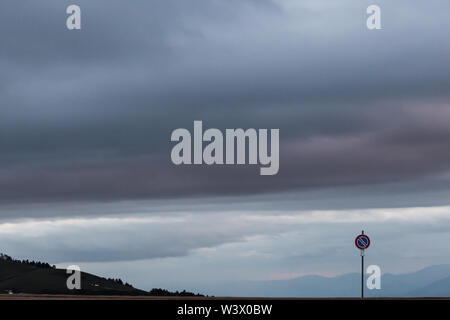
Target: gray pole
x=362, y=272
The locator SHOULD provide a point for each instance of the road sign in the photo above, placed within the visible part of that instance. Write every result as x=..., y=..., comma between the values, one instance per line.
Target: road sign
x=362, y=242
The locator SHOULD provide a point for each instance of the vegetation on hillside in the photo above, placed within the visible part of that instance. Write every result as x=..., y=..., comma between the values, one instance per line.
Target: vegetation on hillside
x=10, y=262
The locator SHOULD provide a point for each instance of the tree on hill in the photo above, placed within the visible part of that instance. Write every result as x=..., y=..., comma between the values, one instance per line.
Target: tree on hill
x=33, y=263
x=167, y=293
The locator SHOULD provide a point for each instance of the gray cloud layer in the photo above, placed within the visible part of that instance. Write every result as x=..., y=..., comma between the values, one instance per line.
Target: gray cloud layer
x=173, y=234
x=88, y=114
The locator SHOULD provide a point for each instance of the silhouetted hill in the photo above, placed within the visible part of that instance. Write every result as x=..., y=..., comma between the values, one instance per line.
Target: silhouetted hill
x=23, y=276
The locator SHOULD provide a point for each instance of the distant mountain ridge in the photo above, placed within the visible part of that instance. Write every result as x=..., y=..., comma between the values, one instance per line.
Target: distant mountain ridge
x=440, y=288
x=432, y=281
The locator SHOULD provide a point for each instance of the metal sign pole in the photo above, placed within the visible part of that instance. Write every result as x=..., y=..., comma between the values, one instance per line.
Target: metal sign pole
x=362, y=242
x=362, y=274
x=362, y=271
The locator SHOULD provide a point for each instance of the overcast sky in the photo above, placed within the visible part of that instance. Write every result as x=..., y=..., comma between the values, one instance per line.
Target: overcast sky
x=86, y=118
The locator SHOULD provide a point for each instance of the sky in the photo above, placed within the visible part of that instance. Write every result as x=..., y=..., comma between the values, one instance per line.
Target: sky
x=86, y=117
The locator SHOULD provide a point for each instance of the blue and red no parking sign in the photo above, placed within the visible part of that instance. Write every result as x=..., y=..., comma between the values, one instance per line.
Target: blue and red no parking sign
x=362, y=242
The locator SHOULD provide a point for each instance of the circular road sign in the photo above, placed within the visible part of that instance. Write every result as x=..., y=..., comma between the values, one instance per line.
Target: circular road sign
x=362, y=242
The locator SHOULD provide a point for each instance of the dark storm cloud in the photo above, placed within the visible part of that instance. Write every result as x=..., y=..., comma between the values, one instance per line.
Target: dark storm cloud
x=88, y=114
